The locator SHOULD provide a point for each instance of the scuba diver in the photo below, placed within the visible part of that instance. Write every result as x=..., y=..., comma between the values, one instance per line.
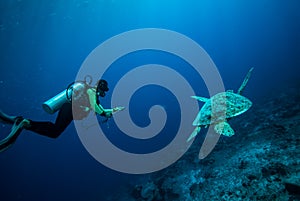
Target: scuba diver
x=74, y=103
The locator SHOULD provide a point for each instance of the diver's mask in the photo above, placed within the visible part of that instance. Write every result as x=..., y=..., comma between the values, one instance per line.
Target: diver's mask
x=102, y=87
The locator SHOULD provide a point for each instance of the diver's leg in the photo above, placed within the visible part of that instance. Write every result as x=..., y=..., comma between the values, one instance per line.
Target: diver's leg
x=64, y=117
x=45, y=128
x=50, y=129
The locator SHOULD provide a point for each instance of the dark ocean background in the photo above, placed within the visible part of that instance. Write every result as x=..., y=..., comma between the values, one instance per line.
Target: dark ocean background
x=43, y=44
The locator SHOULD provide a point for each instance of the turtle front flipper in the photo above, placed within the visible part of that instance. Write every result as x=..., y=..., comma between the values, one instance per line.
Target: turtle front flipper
x=194, y=133
x=200, y=98
x=245, y=81
x=223, y=128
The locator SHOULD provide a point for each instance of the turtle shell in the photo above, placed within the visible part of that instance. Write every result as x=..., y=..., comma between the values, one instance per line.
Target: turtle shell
x=225, y=105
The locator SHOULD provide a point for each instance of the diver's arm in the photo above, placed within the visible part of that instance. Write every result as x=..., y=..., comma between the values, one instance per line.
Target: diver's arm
x=98, y=108
x=107, y=112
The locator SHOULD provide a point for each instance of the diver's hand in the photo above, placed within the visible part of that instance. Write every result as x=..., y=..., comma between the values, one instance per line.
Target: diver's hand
x=117, y=109
x=109, y=112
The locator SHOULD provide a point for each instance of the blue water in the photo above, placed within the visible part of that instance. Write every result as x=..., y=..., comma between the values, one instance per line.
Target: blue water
x=43, y=44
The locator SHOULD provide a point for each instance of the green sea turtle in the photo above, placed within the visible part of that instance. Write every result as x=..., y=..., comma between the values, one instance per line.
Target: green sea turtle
x=225, y=106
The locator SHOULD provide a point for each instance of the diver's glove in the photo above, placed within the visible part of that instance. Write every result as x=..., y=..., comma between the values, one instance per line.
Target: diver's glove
x=117, y=109
x=109, y=112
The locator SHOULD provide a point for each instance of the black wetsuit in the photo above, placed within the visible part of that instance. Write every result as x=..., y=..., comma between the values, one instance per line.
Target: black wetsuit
x=63, y=119
x=50, y=129
x=78, y=109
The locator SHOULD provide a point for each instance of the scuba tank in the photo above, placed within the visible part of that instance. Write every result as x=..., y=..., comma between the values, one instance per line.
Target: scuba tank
x=75, y=89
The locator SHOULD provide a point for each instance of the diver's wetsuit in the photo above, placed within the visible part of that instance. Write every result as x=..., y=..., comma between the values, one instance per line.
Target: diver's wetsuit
x=50, y=129
x=77, y=110
x=66, y=115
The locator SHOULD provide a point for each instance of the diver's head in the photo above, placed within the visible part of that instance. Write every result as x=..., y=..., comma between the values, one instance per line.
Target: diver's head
x=102, y=87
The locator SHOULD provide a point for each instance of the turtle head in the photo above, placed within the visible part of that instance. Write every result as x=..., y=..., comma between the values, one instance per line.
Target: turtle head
x=241, y=105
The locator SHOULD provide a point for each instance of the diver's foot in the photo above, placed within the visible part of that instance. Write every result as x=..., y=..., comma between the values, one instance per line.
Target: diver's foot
x=26, y=123
x=22, y=122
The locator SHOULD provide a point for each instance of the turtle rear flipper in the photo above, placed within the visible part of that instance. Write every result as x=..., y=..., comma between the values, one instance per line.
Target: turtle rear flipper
x=223, y=128
x=194, y=133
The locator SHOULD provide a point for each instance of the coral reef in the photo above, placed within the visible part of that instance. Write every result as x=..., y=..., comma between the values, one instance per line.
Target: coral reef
x=260, y=162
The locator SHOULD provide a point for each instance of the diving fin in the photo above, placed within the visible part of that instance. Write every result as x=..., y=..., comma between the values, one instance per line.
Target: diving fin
x=15, y=132
x=6, y=118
